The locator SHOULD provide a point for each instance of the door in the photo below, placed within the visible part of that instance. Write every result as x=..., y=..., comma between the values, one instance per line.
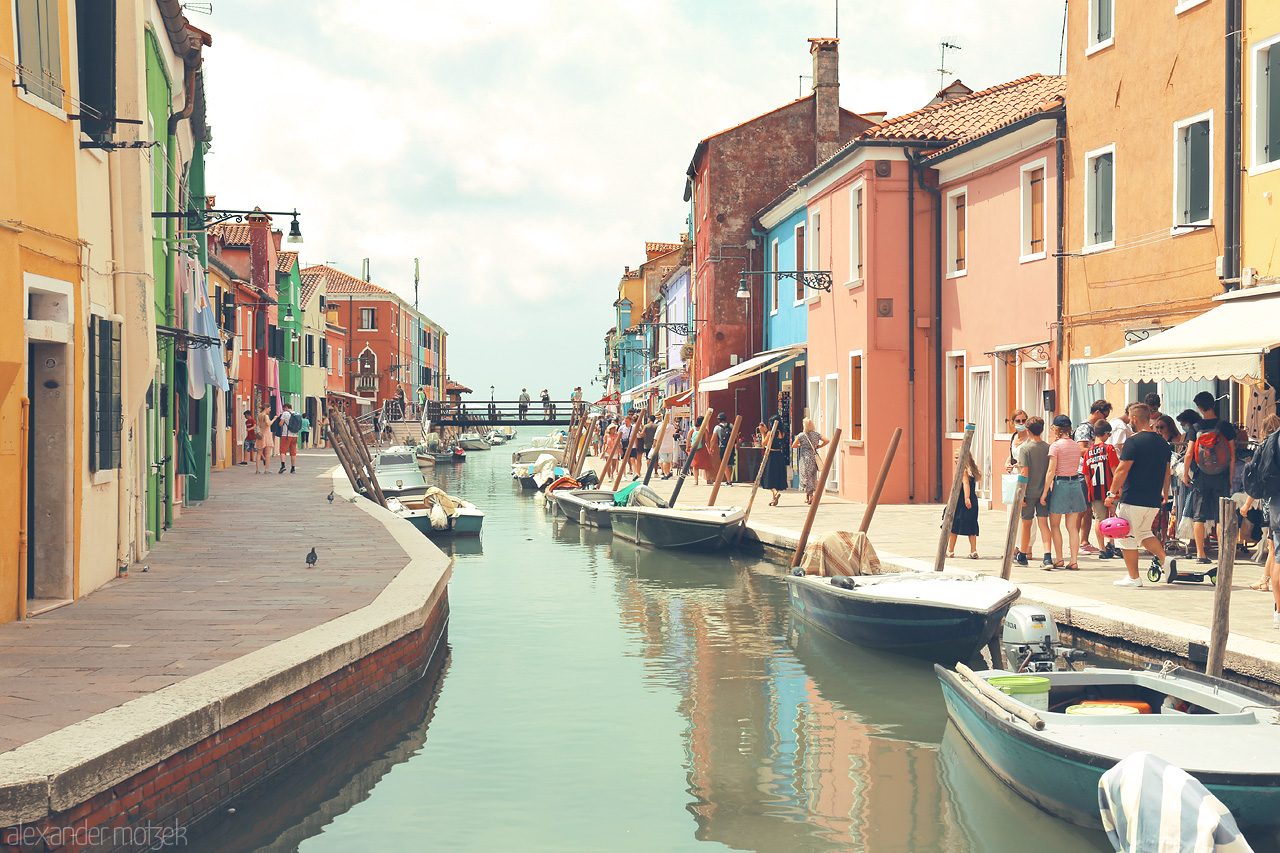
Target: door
x=830, y=421
x=980, y=417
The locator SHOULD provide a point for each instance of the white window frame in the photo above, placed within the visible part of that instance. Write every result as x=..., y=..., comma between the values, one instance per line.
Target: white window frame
x=949, y=401
x=814, y=246
x=341, y=363
x=774, y=279
x=1036, y=409
x=1024, y=203
x=1258, y=106
x=1184, y=5
x=803, y=257
x=1095, y=46
x=374, y=315
x=859, y=393
x=1089, y=193
x=831, y=383
x=952, y=272
x=857, y=246
x=1179, y=187
x=1006, y=398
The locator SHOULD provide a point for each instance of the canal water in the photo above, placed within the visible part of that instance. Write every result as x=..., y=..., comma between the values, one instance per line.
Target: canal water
x=597, y=696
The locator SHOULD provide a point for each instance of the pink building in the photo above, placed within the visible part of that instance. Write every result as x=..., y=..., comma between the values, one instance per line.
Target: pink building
x=914, y=281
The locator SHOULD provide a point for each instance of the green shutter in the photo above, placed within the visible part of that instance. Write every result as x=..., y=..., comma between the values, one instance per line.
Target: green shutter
x=1199, y=167
x=1271, y=150
x=115, y=408
x=1103, y=182
x=95, y=399
x=1104, y=20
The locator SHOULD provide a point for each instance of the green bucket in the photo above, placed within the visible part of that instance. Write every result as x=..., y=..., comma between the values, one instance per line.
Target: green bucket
x=1102, y=710
x=1032, y=690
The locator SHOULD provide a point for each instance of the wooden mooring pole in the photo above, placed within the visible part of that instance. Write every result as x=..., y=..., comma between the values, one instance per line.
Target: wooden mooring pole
x=764, y=463
x=957, y=482
x=874, y=500
x=1011, y=533
x=725, y=453
x=1220, y=627
x=817, y=498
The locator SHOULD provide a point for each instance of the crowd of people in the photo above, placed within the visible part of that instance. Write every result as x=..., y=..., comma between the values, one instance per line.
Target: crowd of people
x=1163, y=476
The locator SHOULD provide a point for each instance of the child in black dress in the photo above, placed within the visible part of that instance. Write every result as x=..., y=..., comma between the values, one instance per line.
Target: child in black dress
x=965, y=520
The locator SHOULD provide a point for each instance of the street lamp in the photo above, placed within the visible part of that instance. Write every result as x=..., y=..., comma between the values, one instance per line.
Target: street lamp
x=210, y=216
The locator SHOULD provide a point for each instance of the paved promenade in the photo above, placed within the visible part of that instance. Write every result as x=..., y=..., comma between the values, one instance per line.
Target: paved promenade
x=228, y=579
x=908, y=535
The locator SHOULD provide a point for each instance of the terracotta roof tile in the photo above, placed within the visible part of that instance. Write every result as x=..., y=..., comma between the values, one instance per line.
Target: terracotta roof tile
x=285, y=261
x=311, y=279
x=232, y=235
x=456, y=388
x=661, y=248
x=341, y=282
x=970, y=116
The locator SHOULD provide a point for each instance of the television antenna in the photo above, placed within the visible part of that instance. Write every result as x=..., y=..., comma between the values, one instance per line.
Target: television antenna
x=944, y=46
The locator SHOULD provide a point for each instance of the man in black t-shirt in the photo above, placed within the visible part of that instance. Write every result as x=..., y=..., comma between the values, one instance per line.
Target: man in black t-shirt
x=1207, y=487
x=721, y=433
x=1141, y=482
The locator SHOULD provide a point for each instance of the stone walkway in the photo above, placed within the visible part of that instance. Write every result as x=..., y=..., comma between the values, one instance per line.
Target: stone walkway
x=911, y=531
x=229, y=578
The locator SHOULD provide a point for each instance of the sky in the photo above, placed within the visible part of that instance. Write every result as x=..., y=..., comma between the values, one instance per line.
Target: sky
x=525, y=150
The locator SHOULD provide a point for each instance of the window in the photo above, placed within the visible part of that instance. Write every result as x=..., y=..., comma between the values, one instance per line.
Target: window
x=957, y=235
x=311, y=350
x=1033, y=221
x=1193, y=165
x=324, y=353
x=1266, y=104
x=1007, y=387
x=774, y=298
x=341, y=363
x=815, y=251
x=368, y=319
x=95, y=29
x=40, y=49
x=1035, y=381
x=800, y=256
x=855, y=235
x=955, y=392
x=855, y=397
x=1100, y=198
x=105, y=412
x=1101, y=25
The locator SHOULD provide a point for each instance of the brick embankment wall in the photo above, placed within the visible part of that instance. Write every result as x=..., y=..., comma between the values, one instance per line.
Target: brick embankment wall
x=142, y=775
x=159, y=806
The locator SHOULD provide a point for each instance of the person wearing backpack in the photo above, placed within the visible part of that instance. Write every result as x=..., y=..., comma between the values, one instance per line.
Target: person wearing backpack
x=290, y=424
x=1262, y=483
x=1210, y=459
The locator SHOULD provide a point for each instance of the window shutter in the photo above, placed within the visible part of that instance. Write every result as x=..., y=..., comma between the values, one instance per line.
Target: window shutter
x=311, y=350
x=229, y=313
x=1104, y=226
x=115, y=408
x=960, y=233
x=1037, y=210
x=1104, y=20
x=1199, y=159
x=1271, y=150
x=259, y=330
x=95, y=398
x=96, y=26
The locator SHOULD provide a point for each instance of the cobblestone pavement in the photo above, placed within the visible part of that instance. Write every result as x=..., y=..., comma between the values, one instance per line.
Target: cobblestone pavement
x=911, y=530
x=229, y=577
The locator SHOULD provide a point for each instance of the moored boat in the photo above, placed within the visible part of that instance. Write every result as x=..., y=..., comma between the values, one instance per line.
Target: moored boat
x=472, y=441
x=940, y=616
x=398, y=473
x=645, y=519
x=527, y=455
x=440, y=514
x=1223, y=734
x=589, y=507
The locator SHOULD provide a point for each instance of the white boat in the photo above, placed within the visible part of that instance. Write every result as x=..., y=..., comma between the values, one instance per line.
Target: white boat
x=527, y=455
x=398, y=473
x=647, y=520
x=472, y=441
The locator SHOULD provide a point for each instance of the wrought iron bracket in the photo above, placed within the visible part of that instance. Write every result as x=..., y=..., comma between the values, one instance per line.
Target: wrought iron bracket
x=812, y=279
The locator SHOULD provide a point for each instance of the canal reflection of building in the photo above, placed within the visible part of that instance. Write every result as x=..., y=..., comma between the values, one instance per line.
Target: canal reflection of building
x=302, y=799
x=782, y=757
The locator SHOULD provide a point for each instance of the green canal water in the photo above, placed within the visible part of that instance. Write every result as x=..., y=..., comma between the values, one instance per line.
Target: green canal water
x=596, y=696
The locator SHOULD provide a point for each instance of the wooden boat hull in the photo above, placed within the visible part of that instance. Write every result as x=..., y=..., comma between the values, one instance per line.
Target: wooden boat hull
x=473, y=444
x=710, y=529
x=528, y=455
x=929, y=630
x=577, y=504
x=1062, y=779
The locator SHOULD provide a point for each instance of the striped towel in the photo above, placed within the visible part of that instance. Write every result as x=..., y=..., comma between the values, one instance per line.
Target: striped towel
x=839, y=552
x=1150, y=806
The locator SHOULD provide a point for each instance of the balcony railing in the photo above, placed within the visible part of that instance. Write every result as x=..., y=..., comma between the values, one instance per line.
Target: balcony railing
x=366, y=383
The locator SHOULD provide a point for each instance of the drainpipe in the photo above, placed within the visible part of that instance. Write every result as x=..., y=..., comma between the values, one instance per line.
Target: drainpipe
x=911, y=330
x=1231, y=193
x=25, y=431
x=1061, y=144
x=937, y=329
x=763, y=237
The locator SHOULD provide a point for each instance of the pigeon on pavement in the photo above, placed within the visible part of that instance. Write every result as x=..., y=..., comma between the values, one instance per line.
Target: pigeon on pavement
x=331, y=497
x=311, y=557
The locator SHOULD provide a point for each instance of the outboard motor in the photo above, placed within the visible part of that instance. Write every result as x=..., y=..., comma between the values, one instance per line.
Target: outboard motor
x=1030, y=641
x=589, y=479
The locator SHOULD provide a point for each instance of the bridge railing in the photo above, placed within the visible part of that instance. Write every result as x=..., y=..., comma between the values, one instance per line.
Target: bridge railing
x=498, y=412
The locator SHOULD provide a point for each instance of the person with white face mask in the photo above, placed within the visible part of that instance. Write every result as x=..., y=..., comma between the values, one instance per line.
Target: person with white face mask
x=1019, y=420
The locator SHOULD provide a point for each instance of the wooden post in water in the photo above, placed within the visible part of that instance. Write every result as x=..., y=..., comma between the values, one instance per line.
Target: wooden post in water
x=581, y=460
x=362, y=461
x=817, y=498
x=657, y=443
x=610, y=455
x=879, y=487
x=764, y=463
x=1220, y=627
x=725, y=453
x=1015, y=521
x=698, y=439
x=957, y=482
x=341, y=453
x=571, y=446
x=626, y=457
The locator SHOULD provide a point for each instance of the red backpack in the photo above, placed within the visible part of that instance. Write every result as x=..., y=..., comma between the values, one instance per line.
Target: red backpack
x=1211, y=456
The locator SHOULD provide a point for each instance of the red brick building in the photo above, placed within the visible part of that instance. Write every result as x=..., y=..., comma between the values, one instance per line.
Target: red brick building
x=732, y=175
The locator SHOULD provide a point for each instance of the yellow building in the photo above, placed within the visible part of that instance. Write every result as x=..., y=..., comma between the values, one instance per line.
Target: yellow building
x=1144, y=188
x=315, y=355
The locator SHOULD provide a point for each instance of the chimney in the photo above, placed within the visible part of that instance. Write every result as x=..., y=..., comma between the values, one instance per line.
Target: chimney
x=826, y=97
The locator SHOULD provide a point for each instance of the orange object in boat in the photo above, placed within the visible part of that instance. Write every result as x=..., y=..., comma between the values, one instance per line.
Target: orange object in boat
x=1143, y=707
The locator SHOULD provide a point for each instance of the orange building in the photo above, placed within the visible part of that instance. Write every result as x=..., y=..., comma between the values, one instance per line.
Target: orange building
x=375, y=355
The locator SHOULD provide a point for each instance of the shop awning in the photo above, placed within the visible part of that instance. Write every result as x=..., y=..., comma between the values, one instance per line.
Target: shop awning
x=1226, y=342
x=751, y=367
x=642, y=390
x=677, y=400
x=333, y=393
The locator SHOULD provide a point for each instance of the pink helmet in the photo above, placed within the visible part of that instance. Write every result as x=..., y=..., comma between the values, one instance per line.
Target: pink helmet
x=1114, y=528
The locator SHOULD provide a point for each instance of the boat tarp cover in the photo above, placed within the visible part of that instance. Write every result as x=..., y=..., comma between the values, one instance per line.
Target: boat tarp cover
x=637, y=494
x=439, y=498
x=1147, y=804
x=839, y=552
